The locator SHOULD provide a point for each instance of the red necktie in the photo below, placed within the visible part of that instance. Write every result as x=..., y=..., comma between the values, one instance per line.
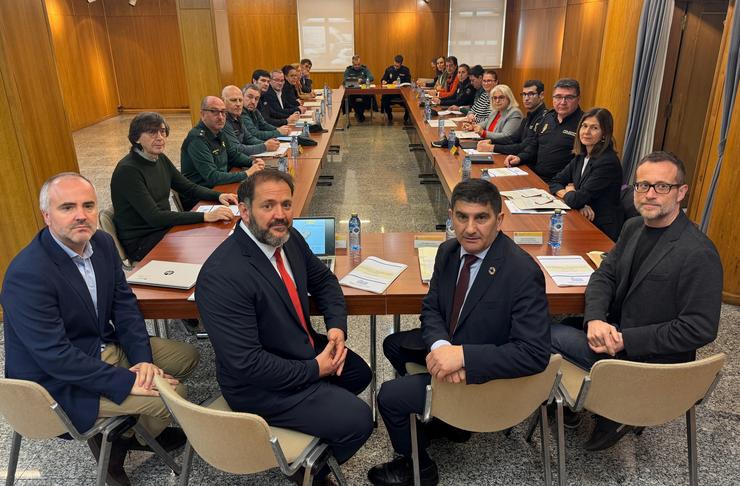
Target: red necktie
x=460, y=290
x=292, y=292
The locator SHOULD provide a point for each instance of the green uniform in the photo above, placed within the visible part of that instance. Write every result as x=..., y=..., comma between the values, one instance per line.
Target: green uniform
x=238, y=135
x=256, y=125
x=206, y=158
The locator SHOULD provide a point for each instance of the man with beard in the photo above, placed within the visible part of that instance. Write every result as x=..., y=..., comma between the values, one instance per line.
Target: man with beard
x=656, y=297
x=269, y=359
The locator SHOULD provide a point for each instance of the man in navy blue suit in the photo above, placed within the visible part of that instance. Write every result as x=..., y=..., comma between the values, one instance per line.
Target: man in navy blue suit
x=72, y=325
x=485, y=318
x=253, y=300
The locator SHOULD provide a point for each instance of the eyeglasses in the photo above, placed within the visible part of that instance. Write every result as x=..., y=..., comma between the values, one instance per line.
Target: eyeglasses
x=155, y=131
x=498, y=98
x=568, y=98
x=528, y=94
x=216, y=112
x=661, y=187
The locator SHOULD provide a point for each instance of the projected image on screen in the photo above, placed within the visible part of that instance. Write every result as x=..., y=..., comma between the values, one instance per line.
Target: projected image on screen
x=327, y=41
x=313, y=231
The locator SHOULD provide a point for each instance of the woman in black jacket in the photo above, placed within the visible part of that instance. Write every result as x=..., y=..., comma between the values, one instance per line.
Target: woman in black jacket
x=591, y=182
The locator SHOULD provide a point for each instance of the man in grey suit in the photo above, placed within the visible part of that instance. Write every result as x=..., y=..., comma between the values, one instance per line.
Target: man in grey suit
x=657, y=296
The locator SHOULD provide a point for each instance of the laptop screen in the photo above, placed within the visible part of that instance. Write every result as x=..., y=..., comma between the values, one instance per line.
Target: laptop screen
x=318, y=233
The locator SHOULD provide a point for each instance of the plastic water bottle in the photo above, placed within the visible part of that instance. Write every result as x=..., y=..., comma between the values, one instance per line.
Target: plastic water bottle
x=427, y=109
x=323, y=105
x=283, y=164
x=294, y=146
x=305, y=131
x=449, y=230
x=327, y=98
x=556, y=229
x=467, y=165
x=355, y=233
x=440, y=128
x=326, y=91
x=452, y=139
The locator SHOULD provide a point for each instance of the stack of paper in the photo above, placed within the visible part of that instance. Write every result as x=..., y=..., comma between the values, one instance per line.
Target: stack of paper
x=207, y=208
x=426, y=262
x=533, y=200
x=506, y=171
x=307, y=114
x=284, y=146
x=567, y=271
x=311, y=104
x=449, y=112
x=447, y=123
x=373, y=274
x=467, y=136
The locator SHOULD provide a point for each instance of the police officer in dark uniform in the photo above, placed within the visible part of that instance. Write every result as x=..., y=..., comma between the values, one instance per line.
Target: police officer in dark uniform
x=552, y=146
x=533, y=99
x=396, y=73
x=206, y=155
x=360, y=72
x=464, y=95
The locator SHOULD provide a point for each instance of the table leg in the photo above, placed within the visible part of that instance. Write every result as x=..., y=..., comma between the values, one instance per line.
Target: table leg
x=396, y=328
x=373, y=368
x=346, y=110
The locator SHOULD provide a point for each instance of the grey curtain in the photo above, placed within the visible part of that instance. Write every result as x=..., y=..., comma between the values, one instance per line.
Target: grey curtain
x=732, y=77
x=647, y=77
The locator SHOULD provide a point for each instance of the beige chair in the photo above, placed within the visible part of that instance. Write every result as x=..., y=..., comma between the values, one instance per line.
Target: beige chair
x=492, y=407
x=644, y=394
x=33, y=414
x=243, y=443
x=105, y=220
x=176, y=201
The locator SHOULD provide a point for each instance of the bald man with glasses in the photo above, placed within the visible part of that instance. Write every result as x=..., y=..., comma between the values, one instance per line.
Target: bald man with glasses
x=207, y=156
x=656, y=297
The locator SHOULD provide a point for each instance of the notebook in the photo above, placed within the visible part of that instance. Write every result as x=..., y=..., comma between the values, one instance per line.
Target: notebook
x=319, y=234
x=159, y=273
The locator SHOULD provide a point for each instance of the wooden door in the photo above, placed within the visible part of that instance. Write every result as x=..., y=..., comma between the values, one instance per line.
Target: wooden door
x=687, y=82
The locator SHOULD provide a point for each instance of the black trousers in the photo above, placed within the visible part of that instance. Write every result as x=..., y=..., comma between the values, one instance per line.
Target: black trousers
x=334, y=412
x=398, y=399
x=405, y=347
x=385, y=105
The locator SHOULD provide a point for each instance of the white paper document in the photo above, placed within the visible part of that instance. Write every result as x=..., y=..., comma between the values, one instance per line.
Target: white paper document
x=427, y=255
x=307, y=114
x=373, y=274
x=459, y=119
x=284, y=146
x=567, y=271
x=447, y=123
x=506, y=171
x=311, y=104
x=449, y=112
x=295, y=133
x=513, y=209
x=207, y=208
x=534, y=199
x=467, y=135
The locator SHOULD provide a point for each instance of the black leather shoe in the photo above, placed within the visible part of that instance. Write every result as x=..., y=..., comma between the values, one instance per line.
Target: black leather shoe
x=400, y=472
x=116, y=475
x=170, y=439
x=436, y=429
x=606, y=434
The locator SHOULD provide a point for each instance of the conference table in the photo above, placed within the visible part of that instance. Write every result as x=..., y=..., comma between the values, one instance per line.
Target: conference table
x=194, y=243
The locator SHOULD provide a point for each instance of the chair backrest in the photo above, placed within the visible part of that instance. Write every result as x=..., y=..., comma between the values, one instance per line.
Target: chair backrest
x=105, y=220
x=27, y=408
x=645, y=394
x=238, y=443
x=176, y=201
x=495, y=405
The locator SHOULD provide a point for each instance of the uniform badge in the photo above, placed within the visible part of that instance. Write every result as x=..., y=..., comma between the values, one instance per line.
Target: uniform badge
x=544, y=128
x=491, y=271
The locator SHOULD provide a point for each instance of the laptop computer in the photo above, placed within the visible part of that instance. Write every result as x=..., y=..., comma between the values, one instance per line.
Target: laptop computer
x=319, y=234
x=173, y=275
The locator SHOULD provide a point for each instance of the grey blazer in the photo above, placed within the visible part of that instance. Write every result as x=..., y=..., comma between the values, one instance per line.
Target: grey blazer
x=511, y=120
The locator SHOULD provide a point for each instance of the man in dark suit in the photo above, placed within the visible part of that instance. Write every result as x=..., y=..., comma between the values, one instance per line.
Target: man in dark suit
x=484, y=318
x=269, y=359
x=274, y=100
x=657, y=296
x=73, y=326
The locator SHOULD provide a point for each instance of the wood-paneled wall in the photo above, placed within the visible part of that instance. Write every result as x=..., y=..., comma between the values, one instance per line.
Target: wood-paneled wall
x=553, y=39
x=83, y=60
x=264, y=34
x=35, y=140
x=146, y=51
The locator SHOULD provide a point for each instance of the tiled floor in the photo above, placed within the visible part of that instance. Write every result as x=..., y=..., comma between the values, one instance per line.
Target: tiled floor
x=376, y=176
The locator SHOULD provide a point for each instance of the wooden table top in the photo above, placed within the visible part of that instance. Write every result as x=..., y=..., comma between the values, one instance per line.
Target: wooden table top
x=194, y=243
